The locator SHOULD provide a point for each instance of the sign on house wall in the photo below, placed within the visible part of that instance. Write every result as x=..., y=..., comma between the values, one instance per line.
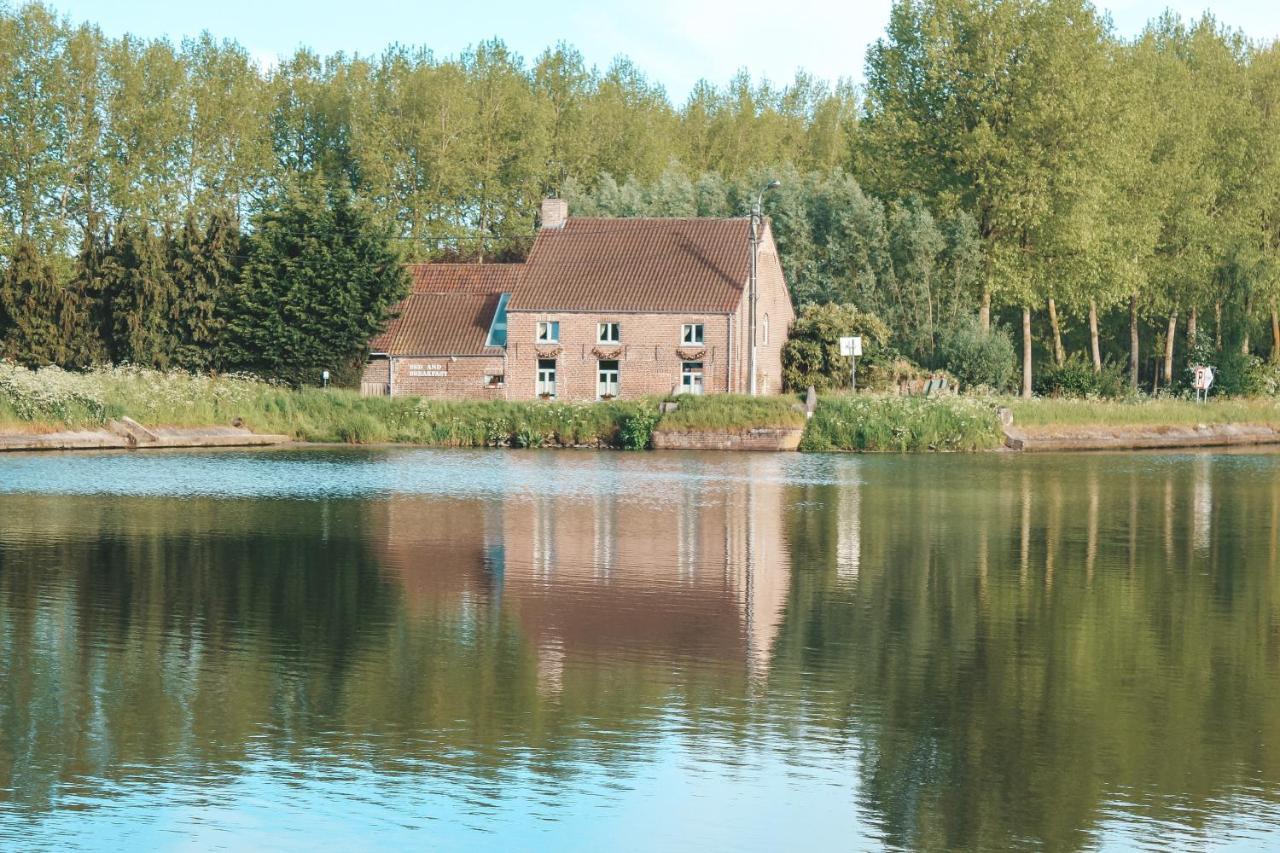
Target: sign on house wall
x=431, y=369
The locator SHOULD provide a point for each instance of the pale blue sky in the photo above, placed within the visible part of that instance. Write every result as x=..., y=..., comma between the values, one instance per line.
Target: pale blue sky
x=674, y=41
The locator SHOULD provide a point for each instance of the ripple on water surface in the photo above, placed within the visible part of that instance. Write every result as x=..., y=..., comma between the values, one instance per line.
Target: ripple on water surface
x=390, y=647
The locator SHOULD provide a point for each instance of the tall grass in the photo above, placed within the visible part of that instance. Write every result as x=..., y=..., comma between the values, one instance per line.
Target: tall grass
x=1051, y=412
x=872, y=422
x=731, y=412
x=49, y=399
x=37, y=401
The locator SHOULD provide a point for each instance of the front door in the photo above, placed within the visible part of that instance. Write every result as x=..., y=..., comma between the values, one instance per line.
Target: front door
x=546, y=377
x=607, y=380
x=691, y=377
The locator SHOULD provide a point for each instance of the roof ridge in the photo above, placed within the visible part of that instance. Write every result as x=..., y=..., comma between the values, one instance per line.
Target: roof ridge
x=657, y=219
x=464, y=264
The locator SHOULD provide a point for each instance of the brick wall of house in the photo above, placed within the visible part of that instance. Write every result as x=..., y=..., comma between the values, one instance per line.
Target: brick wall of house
x=775, y=314
x=440, y=377
x=649, y=353
x=375, y=376
x=774, y=304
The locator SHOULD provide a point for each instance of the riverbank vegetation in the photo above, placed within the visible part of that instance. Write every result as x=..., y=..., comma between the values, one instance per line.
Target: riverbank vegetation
x=730, y=412
x=886, y=422
x=50, y=398
x=1049, y=413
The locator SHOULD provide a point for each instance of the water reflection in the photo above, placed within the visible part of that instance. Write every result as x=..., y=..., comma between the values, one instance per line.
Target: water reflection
x=945, y=652
x=703, y=577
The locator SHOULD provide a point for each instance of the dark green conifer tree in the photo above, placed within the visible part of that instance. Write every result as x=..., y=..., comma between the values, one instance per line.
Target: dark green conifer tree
x=86, y=332
x=139, y=291
x=319, y=281
x=39, y=310
x=203, y=264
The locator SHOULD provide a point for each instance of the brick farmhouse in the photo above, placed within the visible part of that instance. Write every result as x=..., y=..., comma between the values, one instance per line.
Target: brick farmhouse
x=601, y=308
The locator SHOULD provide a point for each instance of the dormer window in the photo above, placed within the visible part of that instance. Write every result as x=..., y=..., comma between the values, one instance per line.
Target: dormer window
x=691, y=333
x=549, y=332
x=609, y=333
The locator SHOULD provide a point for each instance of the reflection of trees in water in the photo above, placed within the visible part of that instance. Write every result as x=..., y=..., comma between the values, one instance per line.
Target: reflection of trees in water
x=144, y=631
x=143, y=637
x=1027, y=644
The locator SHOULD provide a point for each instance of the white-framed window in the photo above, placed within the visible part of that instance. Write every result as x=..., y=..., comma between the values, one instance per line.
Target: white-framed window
x=607, y=378
x=549, y=332
x=546, y=377
x=764, y=331
x=691, y=333
x=494, y=380
x=609, y=333
x=691, y=377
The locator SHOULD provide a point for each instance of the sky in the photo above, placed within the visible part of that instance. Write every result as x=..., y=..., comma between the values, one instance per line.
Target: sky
x=675, y=42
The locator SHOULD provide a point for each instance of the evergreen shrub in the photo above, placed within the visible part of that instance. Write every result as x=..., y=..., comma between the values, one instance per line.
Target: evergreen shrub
x=977, y=358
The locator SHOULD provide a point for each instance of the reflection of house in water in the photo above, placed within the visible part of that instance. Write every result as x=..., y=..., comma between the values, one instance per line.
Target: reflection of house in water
x=699, y=571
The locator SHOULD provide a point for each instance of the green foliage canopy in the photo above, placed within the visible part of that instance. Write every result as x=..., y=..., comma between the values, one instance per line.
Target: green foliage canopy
x=319, y=281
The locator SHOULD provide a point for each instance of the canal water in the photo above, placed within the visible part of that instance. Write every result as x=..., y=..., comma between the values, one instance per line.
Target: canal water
x=383, y=649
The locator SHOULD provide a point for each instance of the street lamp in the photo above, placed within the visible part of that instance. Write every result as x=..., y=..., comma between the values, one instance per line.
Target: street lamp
x=754, y=290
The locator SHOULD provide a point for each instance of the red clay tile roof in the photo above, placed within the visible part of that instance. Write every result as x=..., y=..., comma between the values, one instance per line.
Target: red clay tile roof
x=448, y=311
x=440, y=324
x=658, y=265
x=696, y=266
x=464, y=278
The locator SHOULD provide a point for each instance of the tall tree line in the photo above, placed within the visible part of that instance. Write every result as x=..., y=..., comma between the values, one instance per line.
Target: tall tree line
x=452, y=153
x=1138, y=176
x=1113, y=197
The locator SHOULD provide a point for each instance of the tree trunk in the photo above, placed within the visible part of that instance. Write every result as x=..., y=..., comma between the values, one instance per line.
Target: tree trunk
x=984, y=312
x=933, y=336
x=1248, y=316
x=1217, y=325
x=1059, y=355
x=1168, y=347
x=1133, y=342
x=1275, y=333
x=1191, y=327
x=1094, y=349
x=1026, y=353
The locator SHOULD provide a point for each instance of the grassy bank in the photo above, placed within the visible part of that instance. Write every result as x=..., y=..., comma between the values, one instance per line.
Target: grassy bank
x=1049, y=413
x=49, y=399
x=733, y=412
x=871, y=422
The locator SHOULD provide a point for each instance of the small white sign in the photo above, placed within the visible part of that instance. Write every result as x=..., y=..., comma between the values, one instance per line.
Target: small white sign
x=1203, y=377
x=428, y=370
x=851, y=346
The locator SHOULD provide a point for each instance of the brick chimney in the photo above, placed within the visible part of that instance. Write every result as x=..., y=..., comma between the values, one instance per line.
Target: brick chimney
x=554, y=212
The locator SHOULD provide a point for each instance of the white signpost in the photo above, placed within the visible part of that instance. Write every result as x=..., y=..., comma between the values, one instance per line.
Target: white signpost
x=851, y=348
x=1202, y=381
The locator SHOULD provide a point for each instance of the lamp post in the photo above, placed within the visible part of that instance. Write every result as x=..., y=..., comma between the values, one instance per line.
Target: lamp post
x=753, y=289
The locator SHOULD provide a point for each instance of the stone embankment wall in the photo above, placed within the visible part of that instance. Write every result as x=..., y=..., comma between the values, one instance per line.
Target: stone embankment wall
x=128, y=434
x=750, y=439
